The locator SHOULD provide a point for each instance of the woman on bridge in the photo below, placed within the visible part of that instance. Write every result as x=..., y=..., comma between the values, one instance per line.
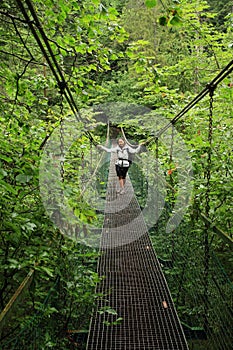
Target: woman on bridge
x=123, y=161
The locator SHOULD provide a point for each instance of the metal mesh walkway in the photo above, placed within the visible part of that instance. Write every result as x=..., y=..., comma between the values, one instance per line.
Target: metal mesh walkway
x=134, y=284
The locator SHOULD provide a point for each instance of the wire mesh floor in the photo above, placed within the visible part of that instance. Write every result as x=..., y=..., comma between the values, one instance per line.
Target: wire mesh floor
x=133, y=284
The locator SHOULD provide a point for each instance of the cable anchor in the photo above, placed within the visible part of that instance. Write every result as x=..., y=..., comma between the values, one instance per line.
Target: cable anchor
x=62, y=85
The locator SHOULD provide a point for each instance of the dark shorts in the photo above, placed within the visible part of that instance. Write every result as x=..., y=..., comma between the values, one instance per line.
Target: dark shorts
x=121, y=171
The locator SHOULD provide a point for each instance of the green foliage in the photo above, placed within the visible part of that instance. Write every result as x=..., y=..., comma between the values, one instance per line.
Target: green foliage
x=63, y=291
x=110, y=51
x=222, y=10
x=150, y=3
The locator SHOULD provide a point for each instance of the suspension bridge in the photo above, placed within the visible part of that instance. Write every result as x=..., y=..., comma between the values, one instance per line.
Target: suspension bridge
x=136, y=310
x=134, y=284
x=144, y=315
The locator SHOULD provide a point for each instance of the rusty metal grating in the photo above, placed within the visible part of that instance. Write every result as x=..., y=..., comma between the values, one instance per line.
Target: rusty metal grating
x=134, y=284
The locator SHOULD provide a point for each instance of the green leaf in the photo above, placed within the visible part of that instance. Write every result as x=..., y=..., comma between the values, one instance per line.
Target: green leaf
x=23, y=178
x=163, y=21
x=3, y=172
x=150, y=3
x=7, y=187
x=108, y=310
x=113, y=57
x=114, y=323
x=13, y=263
x=7, y=159
x=47, y=270
x=176, y=21
x=118, y=321
x=77, y=212
x=30, y=226
x=111, y=311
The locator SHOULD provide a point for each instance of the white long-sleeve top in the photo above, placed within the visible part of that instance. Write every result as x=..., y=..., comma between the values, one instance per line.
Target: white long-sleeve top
x=122, y=153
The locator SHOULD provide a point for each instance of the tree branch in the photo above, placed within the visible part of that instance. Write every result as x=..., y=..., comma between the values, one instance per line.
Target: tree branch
x=19, y=76
x=19, y=103
x=12, y=17
x=24, y=44
x=45, y=140
x=61, y=47
x=24, y=59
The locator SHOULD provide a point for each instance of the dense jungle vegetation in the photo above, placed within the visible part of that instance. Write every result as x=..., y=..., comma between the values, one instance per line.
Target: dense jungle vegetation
x=113, y=54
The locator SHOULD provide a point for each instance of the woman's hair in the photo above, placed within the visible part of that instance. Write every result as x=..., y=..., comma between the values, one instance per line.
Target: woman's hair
x=120, y=139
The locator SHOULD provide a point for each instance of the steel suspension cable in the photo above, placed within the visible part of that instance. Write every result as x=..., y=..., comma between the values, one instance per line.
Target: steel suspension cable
x=62, y=84
x=207, y=212
x=30, y=24
x=209, y=87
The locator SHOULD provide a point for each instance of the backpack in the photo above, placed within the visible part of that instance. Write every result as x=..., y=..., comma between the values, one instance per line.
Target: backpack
x=130, y=156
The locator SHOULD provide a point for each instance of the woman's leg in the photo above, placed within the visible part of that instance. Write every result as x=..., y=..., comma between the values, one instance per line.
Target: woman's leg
x=121, y=173
x=121, y=182
x=124, y=173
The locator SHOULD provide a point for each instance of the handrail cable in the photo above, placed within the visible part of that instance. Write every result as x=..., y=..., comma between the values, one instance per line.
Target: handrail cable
x=33, y=321
x=128, y=143
x=161, y=177
x=5, y=313
x=62, y=84
x=216, y=229
x=96, y=168
x=209, y=87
